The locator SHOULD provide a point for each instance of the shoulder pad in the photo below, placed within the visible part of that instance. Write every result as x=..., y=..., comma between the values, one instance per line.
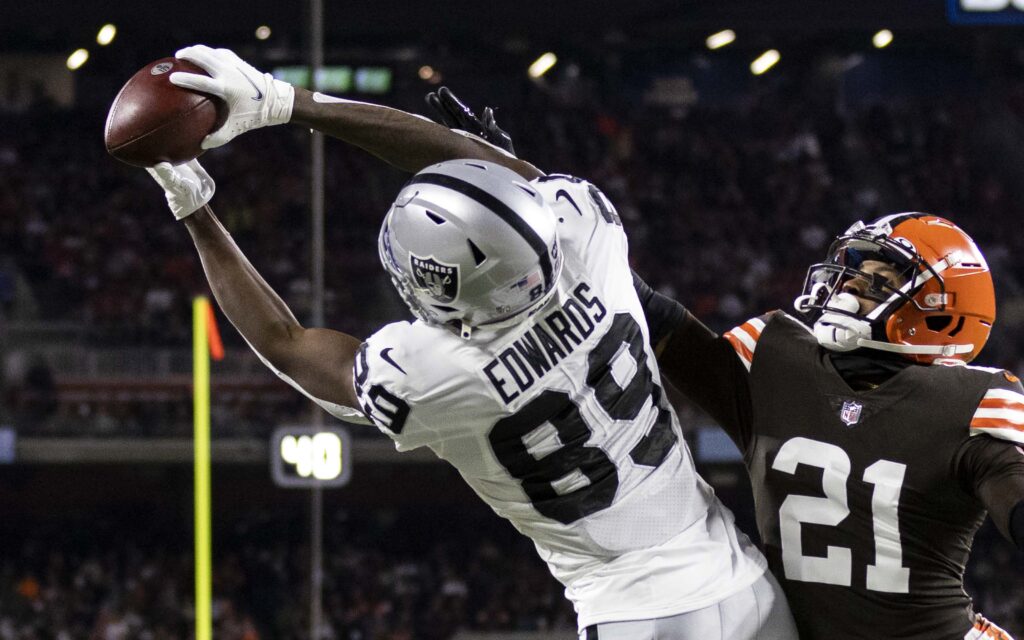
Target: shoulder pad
x=1000, y=413
x=744, y=337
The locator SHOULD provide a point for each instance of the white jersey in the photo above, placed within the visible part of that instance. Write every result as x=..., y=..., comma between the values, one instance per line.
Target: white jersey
x=561, y=426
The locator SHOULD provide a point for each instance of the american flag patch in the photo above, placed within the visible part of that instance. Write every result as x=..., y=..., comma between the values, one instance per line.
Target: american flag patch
x=529, y=281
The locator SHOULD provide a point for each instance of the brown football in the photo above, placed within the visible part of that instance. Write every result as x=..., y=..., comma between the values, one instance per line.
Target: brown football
x=153, y=121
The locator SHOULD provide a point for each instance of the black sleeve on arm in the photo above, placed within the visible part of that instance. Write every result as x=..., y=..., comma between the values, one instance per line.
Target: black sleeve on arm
x=700, y=364
x=993, y=471
x=664, y=314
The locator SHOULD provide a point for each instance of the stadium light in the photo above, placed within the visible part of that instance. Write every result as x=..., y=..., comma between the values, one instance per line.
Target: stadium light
x=106, y=35
x=429, y=74
x=764, y=62
x=720, y=39
x=77, y=59
x=262, y=32
x=542, y=65
x=882, y=39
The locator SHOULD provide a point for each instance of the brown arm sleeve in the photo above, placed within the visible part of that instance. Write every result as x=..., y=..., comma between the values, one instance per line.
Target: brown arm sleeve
x=993, y=471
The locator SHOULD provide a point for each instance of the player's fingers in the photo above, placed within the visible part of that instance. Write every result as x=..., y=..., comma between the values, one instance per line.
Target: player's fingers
x=162, y=171
x=196, y=82
x=446, y=94
x=462, y=113
x=458, y=116
x=201, y=173
x=431, y=100
x=201, y=55
x=439, y=112
x=451, y=104
x=187, y=53
x=456, y=105
x=227, y=53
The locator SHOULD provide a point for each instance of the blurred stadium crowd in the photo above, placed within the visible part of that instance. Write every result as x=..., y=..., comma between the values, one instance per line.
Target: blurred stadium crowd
x=726, y=205
x=95, y=583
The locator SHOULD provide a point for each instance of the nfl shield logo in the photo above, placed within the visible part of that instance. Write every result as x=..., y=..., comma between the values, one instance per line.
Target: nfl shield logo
x=441, y=280
x=851, y=412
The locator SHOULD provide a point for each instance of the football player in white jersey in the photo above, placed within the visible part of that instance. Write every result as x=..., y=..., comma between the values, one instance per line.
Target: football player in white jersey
x=527, y=367
x=889, y=322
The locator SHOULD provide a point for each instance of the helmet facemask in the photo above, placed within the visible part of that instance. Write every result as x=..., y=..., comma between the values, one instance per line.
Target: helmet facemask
x=401, y=280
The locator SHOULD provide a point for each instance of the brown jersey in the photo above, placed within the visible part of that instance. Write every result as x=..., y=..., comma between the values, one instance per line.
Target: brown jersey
x=867, y=501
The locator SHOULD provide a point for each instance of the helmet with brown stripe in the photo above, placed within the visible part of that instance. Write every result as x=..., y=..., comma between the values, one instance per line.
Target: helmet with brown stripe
x=910, y=283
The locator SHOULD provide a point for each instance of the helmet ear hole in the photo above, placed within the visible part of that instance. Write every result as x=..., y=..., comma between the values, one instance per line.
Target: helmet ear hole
x=959, y=326
x=938, y=323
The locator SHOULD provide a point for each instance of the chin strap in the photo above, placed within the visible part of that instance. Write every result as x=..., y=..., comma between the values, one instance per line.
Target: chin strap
x=947, y=350
x=839, y=332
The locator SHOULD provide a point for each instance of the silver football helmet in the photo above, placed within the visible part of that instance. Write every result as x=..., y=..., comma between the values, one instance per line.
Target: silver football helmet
x=470, y=243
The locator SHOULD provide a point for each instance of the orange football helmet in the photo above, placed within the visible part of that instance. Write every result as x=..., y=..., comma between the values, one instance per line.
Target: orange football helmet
x=941, y=306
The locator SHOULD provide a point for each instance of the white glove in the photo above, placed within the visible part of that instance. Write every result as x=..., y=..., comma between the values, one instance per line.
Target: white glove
x=254, y=99
x=187, y=186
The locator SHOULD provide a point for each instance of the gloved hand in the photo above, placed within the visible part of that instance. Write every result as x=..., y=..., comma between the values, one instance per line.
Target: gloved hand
x=186, y=186
x=454, y=114
x=254, y=99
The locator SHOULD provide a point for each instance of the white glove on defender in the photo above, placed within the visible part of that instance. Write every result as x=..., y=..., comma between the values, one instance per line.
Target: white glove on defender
x=186, y=186
x=255, y=99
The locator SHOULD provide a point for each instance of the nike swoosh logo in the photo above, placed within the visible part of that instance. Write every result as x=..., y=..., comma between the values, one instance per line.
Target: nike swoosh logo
x=259, y=94
x=562, y=193
x=386, y=358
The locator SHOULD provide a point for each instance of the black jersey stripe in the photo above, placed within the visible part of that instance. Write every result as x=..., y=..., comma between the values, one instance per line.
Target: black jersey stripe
x=498, y=207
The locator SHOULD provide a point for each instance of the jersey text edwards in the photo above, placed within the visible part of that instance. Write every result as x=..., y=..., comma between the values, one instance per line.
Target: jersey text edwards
x=550, y=339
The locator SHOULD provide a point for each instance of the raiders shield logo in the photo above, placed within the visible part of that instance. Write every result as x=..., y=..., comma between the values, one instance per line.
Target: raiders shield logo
x=441, y=280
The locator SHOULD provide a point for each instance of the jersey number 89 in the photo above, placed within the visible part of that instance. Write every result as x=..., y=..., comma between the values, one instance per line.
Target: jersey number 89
x=548, y=477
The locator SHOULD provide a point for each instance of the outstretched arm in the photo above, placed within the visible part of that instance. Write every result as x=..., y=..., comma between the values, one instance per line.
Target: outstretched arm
x=319, y=362
x=992, y=471
x=698, y=362
x=407, y=141
x=404, y=140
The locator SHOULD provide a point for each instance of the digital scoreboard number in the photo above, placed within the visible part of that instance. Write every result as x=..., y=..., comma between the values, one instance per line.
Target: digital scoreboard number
x=307, y=457
x=985, y=11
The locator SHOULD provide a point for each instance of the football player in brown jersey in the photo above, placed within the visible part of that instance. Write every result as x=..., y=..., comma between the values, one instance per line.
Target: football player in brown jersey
x=874, y=448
